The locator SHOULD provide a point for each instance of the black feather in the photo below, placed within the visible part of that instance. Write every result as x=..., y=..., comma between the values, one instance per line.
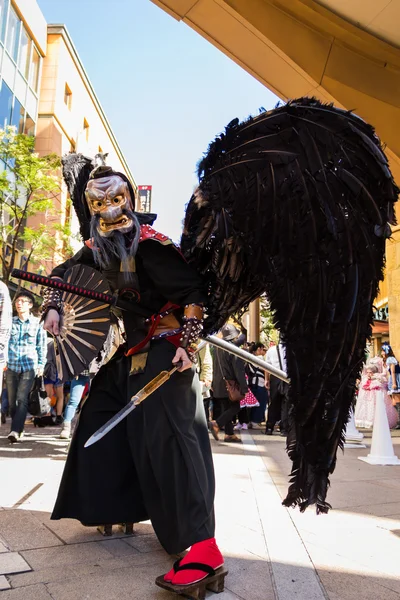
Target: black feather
x=301, y=198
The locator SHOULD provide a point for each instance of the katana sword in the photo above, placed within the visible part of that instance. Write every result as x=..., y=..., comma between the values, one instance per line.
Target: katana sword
x=134, y=402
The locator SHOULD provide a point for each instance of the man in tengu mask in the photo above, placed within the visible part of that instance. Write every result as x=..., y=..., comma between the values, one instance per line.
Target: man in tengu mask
x=156, y=464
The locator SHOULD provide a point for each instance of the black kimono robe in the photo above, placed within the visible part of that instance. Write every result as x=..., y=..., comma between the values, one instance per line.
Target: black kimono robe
x=156, y=464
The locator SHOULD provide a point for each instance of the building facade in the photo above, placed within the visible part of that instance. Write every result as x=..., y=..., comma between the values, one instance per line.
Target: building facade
x=46, y=92
x=70, y=117
x=22, y=47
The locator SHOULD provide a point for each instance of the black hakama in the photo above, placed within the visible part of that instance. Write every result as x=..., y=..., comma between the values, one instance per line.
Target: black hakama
x=156, y=464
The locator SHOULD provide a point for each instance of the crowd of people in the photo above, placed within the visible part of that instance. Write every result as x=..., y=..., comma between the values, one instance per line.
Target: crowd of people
x=259, y=393
x=26, y=354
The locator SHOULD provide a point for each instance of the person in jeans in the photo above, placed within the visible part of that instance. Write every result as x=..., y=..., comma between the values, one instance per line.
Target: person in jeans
x=78, y=385
x=26, y=358
x=227, y=366
x=5, y=329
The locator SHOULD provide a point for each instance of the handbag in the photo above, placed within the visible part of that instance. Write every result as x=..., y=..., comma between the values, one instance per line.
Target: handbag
x=38, y=402
x=232, y=387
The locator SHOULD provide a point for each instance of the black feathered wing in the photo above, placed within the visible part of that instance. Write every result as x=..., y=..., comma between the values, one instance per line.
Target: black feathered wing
x=296, y=203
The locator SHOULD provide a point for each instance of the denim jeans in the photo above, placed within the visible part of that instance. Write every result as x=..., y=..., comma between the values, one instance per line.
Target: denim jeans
x=76, y=390
x=18, y=387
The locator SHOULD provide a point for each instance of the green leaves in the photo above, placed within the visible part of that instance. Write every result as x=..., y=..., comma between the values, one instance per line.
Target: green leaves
x=30, y=203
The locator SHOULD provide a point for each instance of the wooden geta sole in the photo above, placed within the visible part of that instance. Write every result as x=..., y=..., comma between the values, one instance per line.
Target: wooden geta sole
x=197, y=591
x=107, y=530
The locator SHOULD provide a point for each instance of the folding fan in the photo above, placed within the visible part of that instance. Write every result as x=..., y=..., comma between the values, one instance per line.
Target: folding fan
x=84, y=323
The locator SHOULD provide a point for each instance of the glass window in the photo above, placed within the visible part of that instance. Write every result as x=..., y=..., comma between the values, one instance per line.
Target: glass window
x=34, y=74
x=6, y=97
x=3, y=18
x=24, y=53
x=29, y=128
x=17, y=118
x=13, y=34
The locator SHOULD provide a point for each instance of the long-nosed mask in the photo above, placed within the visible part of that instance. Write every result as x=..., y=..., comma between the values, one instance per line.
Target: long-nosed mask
x=109, y=200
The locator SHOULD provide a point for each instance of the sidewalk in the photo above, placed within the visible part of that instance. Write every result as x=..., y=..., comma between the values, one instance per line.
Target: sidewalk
x=272, y=553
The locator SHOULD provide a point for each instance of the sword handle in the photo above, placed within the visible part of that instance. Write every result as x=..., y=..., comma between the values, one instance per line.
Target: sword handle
x=154, y=384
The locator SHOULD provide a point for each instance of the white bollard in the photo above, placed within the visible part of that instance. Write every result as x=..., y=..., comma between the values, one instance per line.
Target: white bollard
x=382, y=452
x=353, y=437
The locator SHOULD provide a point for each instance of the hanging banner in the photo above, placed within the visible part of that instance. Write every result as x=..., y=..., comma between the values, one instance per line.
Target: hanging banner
x=145, y=198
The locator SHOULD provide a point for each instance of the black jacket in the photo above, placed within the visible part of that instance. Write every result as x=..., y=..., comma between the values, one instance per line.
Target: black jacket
x=227, y=366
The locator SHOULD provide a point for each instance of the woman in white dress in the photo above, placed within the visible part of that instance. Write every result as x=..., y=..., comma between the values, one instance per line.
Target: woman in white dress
x=373, y=383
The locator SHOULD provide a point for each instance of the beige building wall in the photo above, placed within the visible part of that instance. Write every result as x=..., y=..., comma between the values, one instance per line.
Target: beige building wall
x=70, y=117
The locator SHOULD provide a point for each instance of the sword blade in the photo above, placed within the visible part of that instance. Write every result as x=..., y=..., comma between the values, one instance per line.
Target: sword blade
x=142, y=394
x=104, y=429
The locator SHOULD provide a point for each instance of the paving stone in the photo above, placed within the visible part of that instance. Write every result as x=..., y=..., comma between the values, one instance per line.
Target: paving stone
x=22, y=531
x=118, y=548
x=3, y=548
x=148, y=543
x=72, y=531
x=12, y=562
x=48, y=574
x=249, y=578
x=348, y=586
x=60, y=556
x=4, y=584
x=125, y=584
x=33, y=592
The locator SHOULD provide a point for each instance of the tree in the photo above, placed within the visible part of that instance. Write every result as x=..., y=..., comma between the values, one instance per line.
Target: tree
x=269, y=333
x=29, y=186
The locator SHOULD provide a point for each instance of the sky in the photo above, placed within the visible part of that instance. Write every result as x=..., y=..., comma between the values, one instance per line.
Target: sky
x=166, y=91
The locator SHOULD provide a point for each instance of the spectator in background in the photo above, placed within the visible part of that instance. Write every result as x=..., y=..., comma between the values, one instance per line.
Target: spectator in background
x=26, y=358
x=52, y=384
x=278, y=390
x=227, y=366
x=78, y=385
x=5, y=330
x=256, y=377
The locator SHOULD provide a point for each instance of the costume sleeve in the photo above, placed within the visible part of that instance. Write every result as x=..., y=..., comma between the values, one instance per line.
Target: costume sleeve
x=41, y=346
x=206, y=367
x=177, y=281
x=5, y=320
x=391, y=360
x=83, y=257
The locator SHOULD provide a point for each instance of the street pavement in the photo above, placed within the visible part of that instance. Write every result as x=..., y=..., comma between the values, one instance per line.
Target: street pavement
x=272, y=553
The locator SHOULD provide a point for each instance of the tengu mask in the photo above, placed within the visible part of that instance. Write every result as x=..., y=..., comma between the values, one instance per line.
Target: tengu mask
x=109, y=200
